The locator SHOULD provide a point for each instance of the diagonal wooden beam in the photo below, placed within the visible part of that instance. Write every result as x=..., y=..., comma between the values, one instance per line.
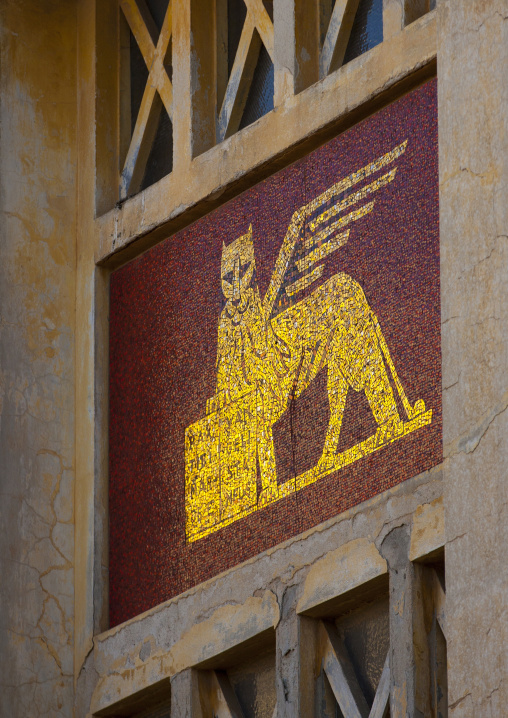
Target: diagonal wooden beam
x=382, y=696
x=264, y=25
x=145, y=33
x=341, y=675
x=227, y=702
x=240, y=80
x=141, y=142
x=158, y=74
x=337, y=36
x=439, y=596
x=142, y=27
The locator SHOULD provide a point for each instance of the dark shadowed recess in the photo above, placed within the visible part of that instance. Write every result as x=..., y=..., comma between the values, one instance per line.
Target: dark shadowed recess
x=138, y=78
x=367, y=30
x=160, y=159
x=260, y=98
x=237, y=12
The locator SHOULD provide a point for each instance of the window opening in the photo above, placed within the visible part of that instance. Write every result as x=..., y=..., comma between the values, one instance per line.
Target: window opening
x=237, y=12
x=245, y=48
x=254, y=684
x=260, y=98
x=241, y=683
x=146, y=94
x=430, y=636
x=354, y=649
x=325, y=13
x=367, y=30
x=160, y=159
x=347, y=30
x=414, y=9
x=138, y=79
x=157, y=9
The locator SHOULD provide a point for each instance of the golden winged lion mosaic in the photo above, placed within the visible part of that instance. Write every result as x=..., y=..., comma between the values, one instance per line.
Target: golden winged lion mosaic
x=267, y=358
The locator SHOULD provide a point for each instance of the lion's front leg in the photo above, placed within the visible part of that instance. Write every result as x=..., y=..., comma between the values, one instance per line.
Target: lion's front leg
x=267, y=406
x=266, y=457
x=337, y=388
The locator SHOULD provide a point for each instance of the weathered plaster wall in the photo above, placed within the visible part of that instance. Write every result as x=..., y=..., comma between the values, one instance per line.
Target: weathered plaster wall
x=473, y=97
x=263, y=593
x=37, y=278
x=37, y=300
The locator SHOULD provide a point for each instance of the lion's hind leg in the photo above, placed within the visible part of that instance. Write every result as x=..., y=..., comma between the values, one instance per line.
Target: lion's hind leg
x=380, y=394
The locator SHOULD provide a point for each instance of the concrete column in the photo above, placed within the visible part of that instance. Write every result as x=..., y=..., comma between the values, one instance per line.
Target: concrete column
x=287, y=657
x=37, y=322
x=473, y=138
x=393, y=18
x=296, y=46
x=183, y=695
x=395, y=549
x=182, y=117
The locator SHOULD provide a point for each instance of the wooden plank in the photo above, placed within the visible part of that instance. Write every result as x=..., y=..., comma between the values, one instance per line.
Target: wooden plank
x=337, y=36
x=341, y=676
x=145, y=32
x=264, y=25
x=382, y=692
x=239, y=81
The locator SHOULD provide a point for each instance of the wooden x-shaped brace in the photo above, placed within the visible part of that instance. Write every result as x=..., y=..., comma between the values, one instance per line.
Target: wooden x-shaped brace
x=244, y=65
x=343, y=681
x=145, y=33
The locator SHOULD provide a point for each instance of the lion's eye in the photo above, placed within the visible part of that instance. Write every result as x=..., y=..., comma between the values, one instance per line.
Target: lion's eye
x=229, y=276
x=227, y=289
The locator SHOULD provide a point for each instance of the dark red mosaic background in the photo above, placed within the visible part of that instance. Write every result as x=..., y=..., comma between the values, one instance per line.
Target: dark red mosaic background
x=165, y=308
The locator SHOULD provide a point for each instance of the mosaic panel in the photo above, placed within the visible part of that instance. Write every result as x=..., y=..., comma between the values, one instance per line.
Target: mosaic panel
x=278, y=361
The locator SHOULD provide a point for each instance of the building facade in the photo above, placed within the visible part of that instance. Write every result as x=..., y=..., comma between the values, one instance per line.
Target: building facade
x=225, y=226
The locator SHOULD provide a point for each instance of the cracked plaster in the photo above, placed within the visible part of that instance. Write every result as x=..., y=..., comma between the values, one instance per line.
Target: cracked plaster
x=37, y=204
x=38, y=159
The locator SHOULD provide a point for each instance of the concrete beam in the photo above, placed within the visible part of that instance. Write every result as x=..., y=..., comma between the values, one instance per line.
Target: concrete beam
x=199, y=184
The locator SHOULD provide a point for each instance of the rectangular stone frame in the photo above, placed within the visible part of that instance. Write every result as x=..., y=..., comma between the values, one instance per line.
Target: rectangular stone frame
x=473, y=405
x=107, y=239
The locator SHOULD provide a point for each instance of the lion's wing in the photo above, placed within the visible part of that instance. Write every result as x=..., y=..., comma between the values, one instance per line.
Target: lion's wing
x=320, y=227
